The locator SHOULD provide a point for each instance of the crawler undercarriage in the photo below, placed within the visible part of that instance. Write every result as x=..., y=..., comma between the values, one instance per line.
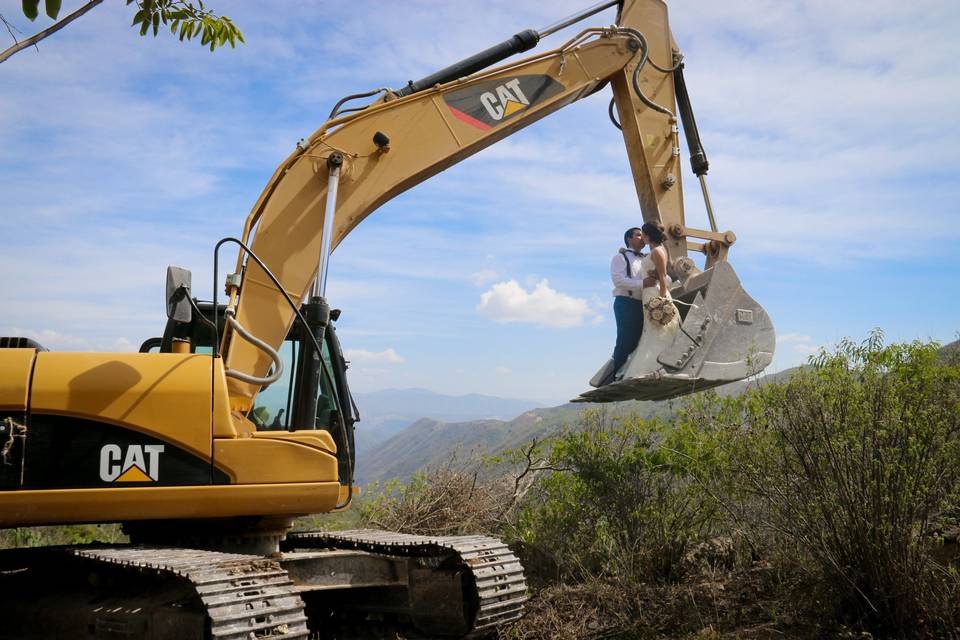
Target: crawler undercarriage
x=351, y=584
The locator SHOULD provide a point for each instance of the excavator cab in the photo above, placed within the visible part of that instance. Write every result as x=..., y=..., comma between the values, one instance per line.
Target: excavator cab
x=302, y=397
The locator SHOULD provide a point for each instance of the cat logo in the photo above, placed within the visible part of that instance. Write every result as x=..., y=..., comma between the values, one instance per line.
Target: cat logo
x=505, y=100
x=489, y=103
x=140, y=463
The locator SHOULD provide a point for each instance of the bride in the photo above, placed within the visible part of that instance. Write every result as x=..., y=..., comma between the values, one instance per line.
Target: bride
x=660, y=318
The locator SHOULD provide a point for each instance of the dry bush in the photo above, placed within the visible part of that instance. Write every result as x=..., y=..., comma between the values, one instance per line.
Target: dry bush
x=584, y=611
x=441, y=502
x=745, y=603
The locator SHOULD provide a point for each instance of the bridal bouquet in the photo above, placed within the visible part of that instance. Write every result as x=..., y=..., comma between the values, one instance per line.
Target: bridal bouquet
x=661, y=310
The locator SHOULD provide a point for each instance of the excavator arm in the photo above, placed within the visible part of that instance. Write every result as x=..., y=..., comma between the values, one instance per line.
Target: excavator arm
x=355, y=163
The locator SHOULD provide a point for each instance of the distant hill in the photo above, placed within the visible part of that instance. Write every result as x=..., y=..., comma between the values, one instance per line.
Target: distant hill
x=434, y=440
x=950, y=352
x=430, y=442
x=385, y=413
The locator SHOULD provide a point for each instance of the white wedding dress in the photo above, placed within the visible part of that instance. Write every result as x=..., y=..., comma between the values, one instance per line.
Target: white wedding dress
x=655, y=337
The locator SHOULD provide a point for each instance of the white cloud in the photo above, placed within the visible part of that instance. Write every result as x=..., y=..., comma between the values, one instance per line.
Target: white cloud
x=483, y=277
x=123, y=344
x=387, y=356
x=806, y=349
x=59, y=341
x=508, y=302
x=802, y=344
x=502, y=371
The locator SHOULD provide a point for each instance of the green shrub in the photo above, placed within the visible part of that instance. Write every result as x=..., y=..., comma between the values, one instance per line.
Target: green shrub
x=60, y=535
x=620, y=501
x=853, y=464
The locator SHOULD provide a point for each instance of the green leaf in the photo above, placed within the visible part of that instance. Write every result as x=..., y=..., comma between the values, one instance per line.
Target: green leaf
x=156, y=23
x=144, y=26
x=31, y=9
x=139, y=16
x=53, y=8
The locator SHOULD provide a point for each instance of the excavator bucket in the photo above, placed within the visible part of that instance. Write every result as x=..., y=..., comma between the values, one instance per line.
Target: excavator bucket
x=724, y=336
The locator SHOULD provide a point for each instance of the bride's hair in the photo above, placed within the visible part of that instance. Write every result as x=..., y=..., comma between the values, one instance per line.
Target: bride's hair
x=655, y=231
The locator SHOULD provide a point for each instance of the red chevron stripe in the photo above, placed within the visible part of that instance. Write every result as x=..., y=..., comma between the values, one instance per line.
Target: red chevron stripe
x=470, y=119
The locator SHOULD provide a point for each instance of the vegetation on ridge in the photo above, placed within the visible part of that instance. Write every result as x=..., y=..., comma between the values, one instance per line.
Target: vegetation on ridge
x=825, y=504
x=821, y=504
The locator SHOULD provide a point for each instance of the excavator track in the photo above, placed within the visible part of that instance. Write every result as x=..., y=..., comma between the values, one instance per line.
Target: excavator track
x=245, y=596
x=494, y=581
x=242, y=597
x=419, y=586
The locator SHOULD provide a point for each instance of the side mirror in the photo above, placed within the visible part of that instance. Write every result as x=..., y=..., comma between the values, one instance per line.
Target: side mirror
x=178, y=294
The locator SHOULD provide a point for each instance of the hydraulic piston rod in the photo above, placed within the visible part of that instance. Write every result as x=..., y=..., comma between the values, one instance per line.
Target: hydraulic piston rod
x=576, y=17
x=334, y=163
x=698, y=157
x=523, y=41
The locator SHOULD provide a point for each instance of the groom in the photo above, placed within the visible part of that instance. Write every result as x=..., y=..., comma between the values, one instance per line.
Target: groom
x=628, y=284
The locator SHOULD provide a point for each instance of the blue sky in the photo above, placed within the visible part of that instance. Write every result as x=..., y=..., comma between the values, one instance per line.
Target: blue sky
x=831, y=130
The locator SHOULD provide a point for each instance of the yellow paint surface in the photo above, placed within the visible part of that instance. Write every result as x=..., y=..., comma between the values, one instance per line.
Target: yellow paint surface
x=166, y=395
x=15, y=365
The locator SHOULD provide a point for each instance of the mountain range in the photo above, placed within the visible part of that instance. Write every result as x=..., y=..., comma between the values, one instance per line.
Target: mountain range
x=432, y=443
x=385, y=413
x=387, y=451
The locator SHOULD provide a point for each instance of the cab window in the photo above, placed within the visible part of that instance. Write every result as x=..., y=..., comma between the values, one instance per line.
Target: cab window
x=272, y=408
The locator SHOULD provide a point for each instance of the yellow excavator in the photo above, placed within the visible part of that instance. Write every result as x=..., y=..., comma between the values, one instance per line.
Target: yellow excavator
x=209, y=441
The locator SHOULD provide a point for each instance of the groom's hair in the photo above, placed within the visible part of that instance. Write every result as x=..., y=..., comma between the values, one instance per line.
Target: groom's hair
x=629, y=234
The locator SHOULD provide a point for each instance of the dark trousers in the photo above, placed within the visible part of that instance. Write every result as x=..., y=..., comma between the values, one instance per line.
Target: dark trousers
x=629, y=315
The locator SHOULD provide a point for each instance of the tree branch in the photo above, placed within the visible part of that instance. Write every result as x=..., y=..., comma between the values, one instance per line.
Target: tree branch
x=10, y=28
x=56, y=26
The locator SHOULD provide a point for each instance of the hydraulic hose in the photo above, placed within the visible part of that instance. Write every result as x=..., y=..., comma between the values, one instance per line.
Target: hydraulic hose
x=259, y=344
x=644, y=58
x=341, y=422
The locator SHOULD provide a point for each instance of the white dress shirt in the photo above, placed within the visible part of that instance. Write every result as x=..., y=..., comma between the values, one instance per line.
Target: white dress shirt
x=629, y=286
x=624, y=285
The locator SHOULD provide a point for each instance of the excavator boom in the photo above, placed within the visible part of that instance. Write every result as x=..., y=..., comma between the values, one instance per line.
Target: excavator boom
x=355, y=163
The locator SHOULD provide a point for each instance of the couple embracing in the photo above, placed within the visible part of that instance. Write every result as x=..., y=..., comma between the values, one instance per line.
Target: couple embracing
x=647, y=320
